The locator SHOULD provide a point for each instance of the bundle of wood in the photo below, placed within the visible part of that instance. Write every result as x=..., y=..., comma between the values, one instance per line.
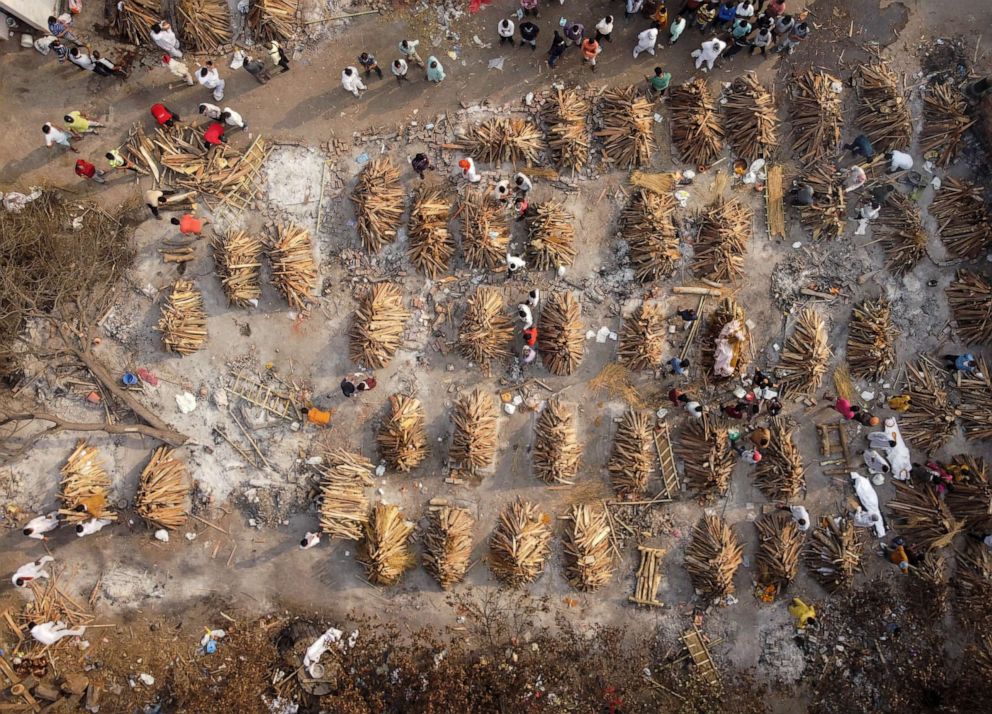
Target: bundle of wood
x=163, y=491
x=273, y=19
x=930, y=422
x=871, y=339
x=567, y=127
x=551, y=237
x=344, y=504
x=973, y=577
x=923, y=517
x=833, y=554
x=752, y=121
x=385, y=550
x=402, y=437
x=132, y=22
x=588, y=557
x=905, y=239
x=485, y=332
x=378, y=199
x=563, y=338
x=648, y=577
x=883, y=113
x=293, y=268
x=431, y=244
x=85, y=488
x=970, y=299
x=708, y=461
x=649, y=229
x=183, y=323
x=975, y=408
x=725, y=229
x=642, y=338
x=510, y=139
x=780, y=474
x=520, y=543
x=980, y=653
x=377, y=325
x=727, y=326
x=238, y=259
x=712, y=557
x=779, y=544
x=971, y=502
x=476, y=420
x=628, y=127
x=556, y=444
x=633, y=460
x=47, y=604
x=932, y=569
x=448, y=544
x=826, y=217
x=963, y=221
x=485, y=235
x=697, y=131
x=945, y=120
x=204, y=25
x=817, y=115
x=804, y=359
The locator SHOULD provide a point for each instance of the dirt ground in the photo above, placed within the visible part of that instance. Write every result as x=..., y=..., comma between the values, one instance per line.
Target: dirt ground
x=243, y=548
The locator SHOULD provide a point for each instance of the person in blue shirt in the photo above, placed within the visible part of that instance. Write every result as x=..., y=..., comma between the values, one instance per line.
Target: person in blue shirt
x=966, y=364
x=726, y=14
x=678, y=366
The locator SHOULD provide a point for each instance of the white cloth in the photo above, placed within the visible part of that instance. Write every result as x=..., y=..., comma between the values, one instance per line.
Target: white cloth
x=864, y=519
x=801, y=516
x=48, y=633
x=401, y=70
x=94, y=525
x=900, y=161
x=709, y=52
x=319, y=647
x=522, y=183
x=31, y=571
x=210, y=110
x=898, y=455
x=869, y=500
x=310, y=540
x=876, y=463
x=603, y=27
x=166, y=40
x=723, y=355
x=234, y=119
x=505, y=28
x=868, y=213
x=39, y=526
x=694, y=410
x=515, y=263
x=352, y=83
x=524, y=313
x=178, y=68
x=83, y=61
x=646, y=41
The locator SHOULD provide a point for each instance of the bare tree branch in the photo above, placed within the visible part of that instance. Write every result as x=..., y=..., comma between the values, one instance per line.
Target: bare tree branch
x=167, y=435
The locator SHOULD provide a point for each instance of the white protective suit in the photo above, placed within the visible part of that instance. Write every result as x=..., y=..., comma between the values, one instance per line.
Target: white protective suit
x=897, y=454
x=869, y=500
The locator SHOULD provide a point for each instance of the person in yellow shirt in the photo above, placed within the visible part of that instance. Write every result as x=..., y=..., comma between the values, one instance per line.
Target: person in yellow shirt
x=899, y=403
x=78, y=123
x=805, y=614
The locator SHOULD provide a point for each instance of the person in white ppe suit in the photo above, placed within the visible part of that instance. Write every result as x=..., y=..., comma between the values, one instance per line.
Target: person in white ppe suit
x=708, y=53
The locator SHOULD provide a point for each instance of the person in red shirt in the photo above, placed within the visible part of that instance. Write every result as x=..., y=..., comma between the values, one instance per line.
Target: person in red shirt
x=88, y=171
x=366, y=384
x=845, y=409
x=530, y=336
x=164, y=116
x=214, y=135
x=190, y=224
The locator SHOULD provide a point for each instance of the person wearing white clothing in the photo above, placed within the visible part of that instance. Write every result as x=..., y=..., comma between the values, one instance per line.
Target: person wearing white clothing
x=53, y=136
x=309, y=541
x=409, y=50
x=48, y=633
x=604, y=28
x=209, y=77
x=352, y=82
x=39, y=526
x=744, y=10
x=211, y=111
x=232, y=118
x=501, y=191
x=399, y=69
x=863, y=519
x=875, y=462
x=505, y=30
x=899, y=161
x=801, y=516
x=94, y=525
x=646, y=41
x=81, y=59
x=869, y=500
x=178, y=69
x=525, y=315
x=31, y=571
x=165, y=38
x=522, y=183
x=709, y=52
x=467, y=165
x=515, y=263
x=870, y=211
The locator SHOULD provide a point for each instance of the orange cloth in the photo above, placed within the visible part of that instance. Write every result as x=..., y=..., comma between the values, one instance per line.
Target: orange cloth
x=318, y=417
x=188, y=224
x=530, y=336
x=898, y=556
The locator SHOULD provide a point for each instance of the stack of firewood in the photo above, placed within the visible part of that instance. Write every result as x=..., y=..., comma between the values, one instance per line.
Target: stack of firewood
x=931, y=421
x=556, y=444
x=730, y=321
x=633, y=460
x=378, y=199
x=708, y=460
x=563, y=339
x=780, y=543
x=565, y=117
x=344, y=504
x=945, y=120
x=871, y=339
x=976, y=403
x=520, y=543
x=971, y=502
x=85, y=488
x=805, y=357
x=628, y=127
x=183, y=323
x=238, y=258
x=204, y=25
x=649, y=229
x=377, y=326
x=385, y=550
x=905, y=239
x=642, y=339
x=963, y=221
x=816, y=116
x=163, y=491
x=485, y=332
x=722, y=242
x=588, y=558
x=510, y=139
x=697, y=131
x=780, y=474
x=402, y=437
x=752, y=121
x=826, y=217
x=970, y=299
x=431, y=244
x=473, y=445
x=132, y=21
x=883, y=113
x=293, y=268
x=712, y=557
x=972, y=577
x=273, y=19
x=448, y=544
x=485, y=235
x=551, y=237
x=923, y=517
x=833, y=554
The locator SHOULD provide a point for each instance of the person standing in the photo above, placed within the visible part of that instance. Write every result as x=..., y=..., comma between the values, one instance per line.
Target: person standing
x=590, y=50
x=745, y=10
x=78, y=124
x=57, y=136
x=421, y=164
x=528, y=34
x=659, y=83
x=233, y=118
x=739, y=33
x=278, y=56
x=408, y=48
x=86, y=170
x=574, y=34
x=352, y=82
x=435, y=72
x=529, y=7
x=761, y=41
x=705, y=16
x=726, y=14
x=632, y=7
x=522, y=183
x=558, y=46
x=604, y=29
x=676, y=30
x=367, y=60
x=59, y=27
x=646, y=41
x=792, y=40
x=257, y=69
x=209, y=77
x=783, y=26
x=708, y=53
x=156, y=198
x=178, y=69
x=163, y=36
x=118, y=162
x=399, y=69
x=505, y=30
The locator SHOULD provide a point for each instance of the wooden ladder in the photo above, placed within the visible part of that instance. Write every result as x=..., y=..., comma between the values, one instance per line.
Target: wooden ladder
x=648, y=577
x=242, y=195
x=261, y=395
x=666, y=460
x=696, y=645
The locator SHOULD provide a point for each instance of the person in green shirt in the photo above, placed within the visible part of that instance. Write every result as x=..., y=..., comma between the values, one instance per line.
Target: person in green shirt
x=659, y=82
x=435, y=72
x=118, y=161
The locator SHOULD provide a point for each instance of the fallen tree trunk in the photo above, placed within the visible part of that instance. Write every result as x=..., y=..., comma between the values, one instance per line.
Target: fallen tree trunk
x=166, y=435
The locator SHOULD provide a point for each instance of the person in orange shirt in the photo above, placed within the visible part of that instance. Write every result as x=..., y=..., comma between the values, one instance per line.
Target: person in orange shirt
x=530, y=336
x=317, y=416
x=190, y=224
x=590, y=50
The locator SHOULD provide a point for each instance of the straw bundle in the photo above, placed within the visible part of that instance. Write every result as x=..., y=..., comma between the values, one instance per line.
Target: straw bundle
x=520, y=543
x=84, y=491
x=589, y=561
x=377, y=325
x=448, y=545
x=562, y=340
x=183, y=323
x=344, y=505
x=385, y=550
x=556, y=444
x=163, y=491
x=402, y=438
